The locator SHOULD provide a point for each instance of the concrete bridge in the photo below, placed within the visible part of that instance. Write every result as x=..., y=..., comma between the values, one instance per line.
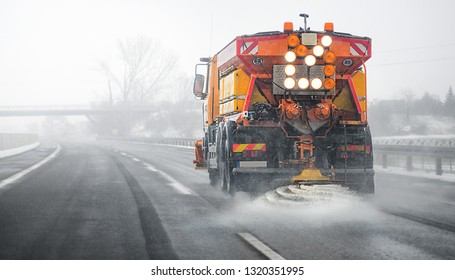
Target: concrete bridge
x=71, y=110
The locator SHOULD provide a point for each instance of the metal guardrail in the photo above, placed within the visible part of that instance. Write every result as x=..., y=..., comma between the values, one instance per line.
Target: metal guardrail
x=15, y=143
x=425, y=158
x=186, y=142
x=433, y=154
x=16, y=140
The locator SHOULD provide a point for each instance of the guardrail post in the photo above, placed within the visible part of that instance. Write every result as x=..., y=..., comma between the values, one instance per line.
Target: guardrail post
x=384, y=161
x=438, y=166
x=409, y=163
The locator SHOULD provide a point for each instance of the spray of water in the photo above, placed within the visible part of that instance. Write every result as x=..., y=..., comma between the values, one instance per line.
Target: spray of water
x=305, y=205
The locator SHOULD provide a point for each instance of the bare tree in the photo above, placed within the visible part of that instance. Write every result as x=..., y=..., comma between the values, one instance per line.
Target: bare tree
x=408, y=98
x=180, y=115
x=449, y=103
x=142, y=71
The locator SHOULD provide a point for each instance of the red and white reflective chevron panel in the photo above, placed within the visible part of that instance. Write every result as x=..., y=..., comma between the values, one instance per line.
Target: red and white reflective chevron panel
x=249, y=47
x=359, y=49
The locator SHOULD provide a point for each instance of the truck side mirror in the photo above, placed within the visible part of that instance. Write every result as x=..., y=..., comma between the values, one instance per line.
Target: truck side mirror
x=198, y=88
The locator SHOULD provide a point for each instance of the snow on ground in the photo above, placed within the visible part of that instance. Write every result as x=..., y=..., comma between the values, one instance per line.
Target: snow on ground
x=450, y=178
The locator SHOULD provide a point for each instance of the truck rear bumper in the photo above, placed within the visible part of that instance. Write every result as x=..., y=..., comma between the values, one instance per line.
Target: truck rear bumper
x=293, y=172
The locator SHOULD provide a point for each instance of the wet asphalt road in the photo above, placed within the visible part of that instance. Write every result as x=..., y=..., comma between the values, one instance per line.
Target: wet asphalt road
x=117, y=200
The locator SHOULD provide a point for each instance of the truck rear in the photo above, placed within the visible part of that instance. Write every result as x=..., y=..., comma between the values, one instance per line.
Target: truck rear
x=288, y=105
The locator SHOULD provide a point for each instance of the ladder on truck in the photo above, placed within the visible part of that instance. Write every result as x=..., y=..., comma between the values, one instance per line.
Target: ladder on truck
x=364, y=134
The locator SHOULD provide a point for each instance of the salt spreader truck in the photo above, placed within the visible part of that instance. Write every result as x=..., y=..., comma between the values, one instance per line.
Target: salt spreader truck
x=289, y=104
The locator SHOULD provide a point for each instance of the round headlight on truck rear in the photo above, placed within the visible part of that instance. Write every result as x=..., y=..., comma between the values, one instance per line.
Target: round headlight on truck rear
x=310, y=60
x=318, y=51
x=301, y=50
x=329, y=70
x=326, y=40
x=293, y=41
x=290, y=56
x=330, y=57
x=303, y=83
x=289, y=83
x=329, y=83
x=316, y=83
x=289, y=70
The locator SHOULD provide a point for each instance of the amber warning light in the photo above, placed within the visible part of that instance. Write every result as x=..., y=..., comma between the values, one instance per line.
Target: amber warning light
x=328, y=27
x=288, y=27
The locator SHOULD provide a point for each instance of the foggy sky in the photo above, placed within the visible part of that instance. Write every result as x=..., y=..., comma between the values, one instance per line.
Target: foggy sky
x=49, y=49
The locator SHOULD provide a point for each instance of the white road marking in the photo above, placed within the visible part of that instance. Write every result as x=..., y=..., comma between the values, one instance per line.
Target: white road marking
x=149, y=167
x=174, y=183
x=261, y=247
x=24, y=172
x=123, y=154
x=135, y=159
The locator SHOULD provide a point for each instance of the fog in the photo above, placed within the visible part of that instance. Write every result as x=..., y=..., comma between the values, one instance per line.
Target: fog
x=50, y=51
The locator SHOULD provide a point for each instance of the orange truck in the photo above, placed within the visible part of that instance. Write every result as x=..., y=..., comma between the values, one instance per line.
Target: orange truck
x=288, y=105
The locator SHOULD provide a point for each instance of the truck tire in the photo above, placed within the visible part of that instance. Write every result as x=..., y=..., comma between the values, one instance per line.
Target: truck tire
x=368, y=186
x=363, y=184
x=223, y=182
x=229, y=180
x=214, y=177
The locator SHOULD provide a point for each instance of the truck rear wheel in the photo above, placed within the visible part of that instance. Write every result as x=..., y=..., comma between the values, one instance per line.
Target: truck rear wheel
x=368, y=186
x=214, y=177
x=363, y=184
x=229, y=181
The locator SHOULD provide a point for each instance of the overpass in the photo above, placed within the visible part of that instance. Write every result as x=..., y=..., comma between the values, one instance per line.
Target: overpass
x=71, y=110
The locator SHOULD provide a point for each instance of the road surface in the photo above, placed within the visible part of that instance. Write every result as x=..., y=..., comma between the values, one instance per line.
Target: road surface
x=119, y=200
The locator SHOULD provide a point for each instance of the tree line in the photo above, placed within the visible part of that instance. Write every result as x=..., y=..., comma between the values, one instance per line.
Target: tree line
x=412, y=115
